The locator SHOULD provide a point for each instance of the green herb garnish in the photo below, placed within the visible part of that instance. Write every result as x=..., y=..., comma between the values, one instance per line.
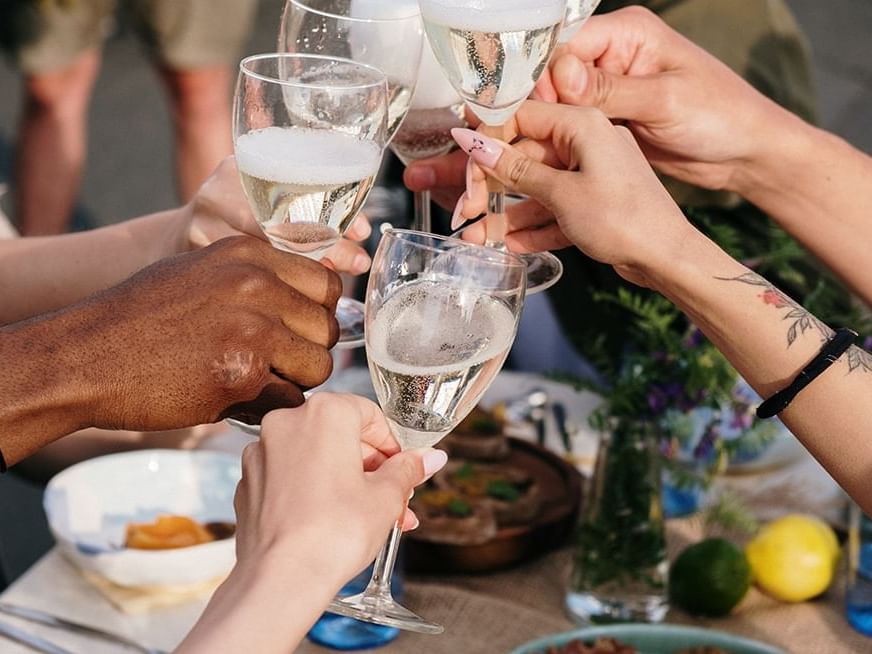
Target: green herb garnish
x=459, y=508
x=503, y=490
x=464, y=472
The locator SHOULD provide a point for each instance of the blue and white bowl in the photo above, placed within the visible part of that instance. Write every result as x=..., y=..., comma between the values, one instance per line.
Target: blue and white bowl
x=90, y=504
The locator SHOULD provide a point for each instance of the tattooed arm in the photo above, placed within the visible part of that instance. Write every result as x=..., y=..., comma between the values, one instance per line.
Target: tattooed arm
x=596, y=192
x=769, y=338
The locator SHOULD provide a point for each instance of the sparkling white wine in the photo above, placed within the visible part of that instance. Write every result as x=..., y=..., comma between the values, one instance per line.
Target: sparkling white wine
x=427, y=133
x=433, y=350
x=493, y=52
x=436, y=109
x=305, y=186
x=399, y=100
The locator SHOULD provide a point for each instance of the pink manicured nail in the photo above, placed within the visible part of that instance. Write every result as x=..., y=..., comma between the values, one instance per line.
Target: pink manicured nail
x=434, y=461
x=485, y=150
x=468, y=194
x=457, y=218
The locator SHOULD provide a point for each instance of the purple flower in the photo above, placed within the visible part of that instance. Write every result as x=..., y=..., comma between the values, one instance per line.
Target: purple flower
x=867, y=343
x=694, y=338
x=706, y=446
x=741, y=421
x=657, y=400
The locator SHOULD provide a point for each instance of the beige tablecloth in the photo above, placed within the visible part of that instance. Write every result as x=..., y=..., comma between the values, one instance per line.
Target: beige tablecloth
x=492, y=614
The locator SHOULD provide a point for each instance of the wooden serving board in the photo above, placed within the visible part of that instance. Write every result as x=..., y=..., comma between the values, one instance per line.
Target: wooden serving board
x=561, y=487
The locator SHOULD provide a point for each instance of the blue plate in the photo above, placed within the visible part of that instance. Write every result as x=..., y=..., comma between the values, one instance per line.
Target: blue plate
x=654, y=639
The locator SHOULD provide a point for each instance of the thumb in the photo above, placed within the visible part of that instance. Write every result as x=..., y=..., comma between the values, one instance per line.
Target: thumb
x=507, y=164
x=623, y=97
x=399, y=475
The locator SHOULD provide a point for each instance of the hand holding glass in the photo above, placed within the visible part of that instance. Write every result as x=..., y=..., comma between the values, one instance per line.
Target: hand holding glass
x=309, y=133
x=441, y=316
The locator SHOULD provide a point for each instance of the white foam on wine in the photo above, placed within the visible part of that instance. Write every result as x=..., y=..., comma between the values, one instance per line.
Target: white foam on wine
x=296, y=155
x=494, y=15
x=413, y=334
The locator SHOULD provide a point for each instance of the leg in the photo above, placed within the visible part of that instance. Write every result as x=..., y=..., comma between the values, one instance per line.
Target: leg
x=201, y=119
x=50, y=152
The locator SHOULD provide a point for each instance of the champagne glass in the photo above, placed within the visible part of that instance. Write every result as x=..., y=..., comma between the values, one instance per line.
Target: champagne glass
x=309, y=133
x=436, y=109
x=577, y=13
x=384, y=34
x=441, y=315
x=493, y=52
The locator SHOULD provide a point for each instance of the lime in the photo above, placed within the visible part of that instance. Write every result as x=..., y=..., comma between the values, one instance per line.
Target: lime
x=709, y=578
x=794, y=558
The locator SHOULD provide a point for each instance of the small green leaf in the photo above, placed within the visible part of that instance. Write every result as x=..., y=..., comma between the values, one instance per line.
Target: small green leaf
x=459, y=508
x=503, y=490
x=464, y=472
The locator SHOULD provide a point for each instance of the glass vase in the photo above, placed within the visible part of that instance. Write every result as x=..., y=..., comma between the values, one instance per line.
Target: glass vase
x=619, y=560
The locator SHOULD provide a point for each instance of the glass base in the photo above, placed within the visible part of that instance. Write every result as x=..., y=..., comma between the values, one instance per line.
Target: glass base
x=587, y=608
x=350, y=315
x=341, y=633
x=384, y=611
x=543, y=271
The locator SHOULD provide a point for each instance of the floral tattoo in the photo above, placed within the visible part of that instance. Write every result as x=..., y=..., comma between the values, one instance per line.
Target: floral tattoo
x=801, y=321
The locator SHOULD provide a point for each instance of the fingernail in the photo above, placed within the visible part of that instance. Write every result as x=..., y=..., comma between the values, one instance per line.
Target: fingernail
x=573, y=73
x=415, y=524
x=457, y=218
x=468, y=194
x=485, y=150
x=434, y=461
x=423, y=177
x=361, y=262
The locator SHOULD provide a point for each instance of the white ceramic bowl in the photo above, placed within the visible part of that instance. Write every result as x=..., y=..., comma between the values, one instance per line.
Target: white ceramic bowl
x=89, y=505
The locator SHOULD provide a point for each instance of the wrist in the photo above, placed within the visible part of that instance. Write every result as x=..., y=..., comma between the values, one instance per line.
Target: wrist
x=46, y=392
x=782, y=148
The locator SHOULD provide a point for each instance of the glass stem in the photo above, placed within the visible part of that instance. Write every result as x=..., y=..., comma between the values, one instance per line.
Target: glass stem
x=496, y=219
x=379, y=586
x=423, y=216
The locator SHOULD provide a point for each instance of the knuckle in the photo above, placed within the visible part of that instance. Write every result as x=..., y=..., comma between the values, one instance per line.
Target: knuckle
x=518, y=169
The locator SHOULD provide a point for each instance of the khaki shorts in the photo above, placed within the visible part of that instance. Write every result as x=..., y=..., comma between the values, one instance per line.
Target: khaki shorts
x=43, y=35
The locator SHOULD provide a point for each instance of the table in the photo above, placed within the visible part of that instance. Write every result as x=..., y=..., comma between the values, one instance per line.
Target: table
x=485, y=614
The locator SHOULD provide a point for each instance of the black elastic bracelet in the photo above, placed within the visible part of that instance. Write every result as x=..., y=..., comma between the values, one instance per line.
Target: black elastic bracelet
x=829, y=354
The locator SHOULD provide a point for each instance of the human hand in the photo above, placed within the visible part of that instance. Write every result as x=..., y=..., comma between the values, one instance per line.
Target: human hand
x=233, y=330
x=588, y=184
x=310, y=516
x=693, y=117
x=306, y=497
x=220, y=209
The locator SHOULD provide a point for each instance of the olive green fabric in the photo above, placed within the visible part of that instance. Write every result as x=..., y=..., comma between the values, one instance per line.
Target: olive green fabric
x=761, y=40
x=46, y=35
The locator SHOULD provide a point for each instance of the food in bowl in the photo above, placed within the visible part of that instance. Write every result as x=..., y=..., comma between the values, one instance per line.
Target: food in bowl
x=172, y=531
x=511, y=493
x=89, y=506
x=446, y=517
x=613, y=646
x=479, y=437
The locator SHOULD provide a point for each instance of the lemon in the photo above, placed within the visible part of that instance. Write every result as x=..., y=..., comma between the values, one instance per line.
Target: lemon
x=709, y=578
x=794, y=558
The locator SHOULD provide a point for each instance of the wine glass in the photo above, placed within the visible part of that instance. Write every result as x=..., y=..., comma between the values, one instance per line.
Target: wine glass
x=436, y=109
x=493, y=53
x=441, y=315
x=384, y=34
x=577, y=13
x=309, y=133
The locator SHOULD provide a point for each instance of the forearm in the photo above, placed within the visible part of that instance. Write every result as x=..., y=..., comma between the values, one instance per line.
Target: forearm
x=819, y=189
x=266, y=607
x=769, y=339
x=45, y=273
x=45, y=390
